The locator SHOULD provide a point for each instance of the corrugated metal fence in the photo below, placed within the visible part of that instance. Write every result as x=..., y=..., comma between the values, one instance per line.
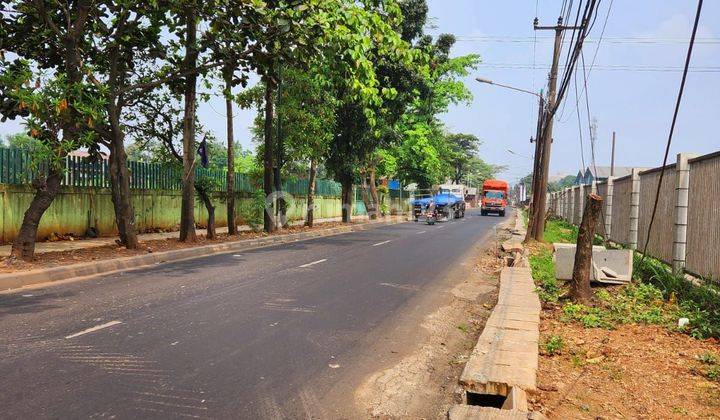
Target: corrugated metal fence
x=16, y=168
x=685, y=233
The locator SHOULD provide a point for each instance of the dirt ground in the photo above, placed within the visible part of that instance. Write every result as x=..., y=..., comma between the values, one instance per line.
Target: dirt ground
x=634, y=371
x=54, y=259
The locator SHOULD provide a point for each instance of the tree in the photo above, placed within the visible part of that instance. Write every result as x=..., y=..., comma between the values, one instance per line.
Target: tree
x=45, y=83
x=463, y=147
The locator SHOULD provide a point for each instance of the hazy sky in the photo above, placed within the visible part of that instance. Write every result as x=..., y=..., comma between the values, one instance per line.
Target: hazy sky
x=638, y=105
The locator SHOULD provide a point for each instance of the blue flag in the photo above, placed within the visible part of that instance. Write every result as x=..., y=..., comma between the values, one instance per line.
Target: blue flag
x=202, y=151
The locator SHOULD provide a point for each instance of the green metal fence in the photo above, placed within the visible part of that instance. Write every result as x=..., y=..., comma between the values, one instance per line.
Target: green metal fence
x=16, y=168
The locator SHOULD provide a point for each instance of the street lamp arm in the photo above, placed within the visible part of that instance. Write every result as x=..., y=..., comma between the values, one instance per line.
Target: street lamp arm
x=490, y=82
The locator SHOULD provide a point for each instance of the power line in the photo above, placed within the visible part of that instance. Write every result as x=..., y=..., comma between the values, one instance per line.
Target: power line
x=607, y=67
x=672, y=126
x=597, y=48
x=577, y=108
x=608, y=40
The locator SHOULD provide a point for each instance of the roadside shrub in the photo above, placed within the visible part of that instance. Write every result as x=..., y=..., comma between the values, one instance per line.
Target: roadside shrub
x=553, y=345
x=252, y=212
x=700, y=303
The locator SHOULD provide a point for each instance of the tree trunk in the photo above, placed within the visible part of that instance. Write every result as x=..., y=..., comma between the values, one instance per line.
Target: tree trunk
x=120, y=191
x=346, y=184
x=364, y=194
x=211, y=215
x=268, y=184
x=374, y=194
x=580, y=286
x=311, y=194
x=187, y=210
x=45, y=192
x=230, y=199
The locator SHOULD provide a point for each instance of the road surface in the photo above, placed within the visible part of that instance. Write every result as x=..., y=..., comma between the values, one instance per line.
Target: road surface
x=260, y=333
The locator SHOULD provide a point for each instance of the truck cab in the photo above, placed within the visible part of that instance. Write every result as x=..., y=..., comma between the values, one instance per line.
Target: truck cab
x=494, y=197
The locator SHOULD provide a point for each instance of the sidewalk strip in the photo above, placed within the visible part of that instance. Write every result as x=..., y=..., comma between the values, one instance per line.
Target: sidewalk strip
x=380, y=243
x=313, y=263
x=95, y=328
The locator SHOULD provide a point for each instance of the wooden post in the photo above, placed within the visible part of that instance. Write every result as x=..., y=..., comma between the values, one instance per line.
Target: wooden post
x=580, y=286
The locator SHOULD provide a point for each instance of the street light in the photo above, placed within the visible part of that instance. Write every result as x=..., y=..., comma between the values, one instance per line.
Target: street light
x=518, y=154
x=538, y=148
x=490, y=82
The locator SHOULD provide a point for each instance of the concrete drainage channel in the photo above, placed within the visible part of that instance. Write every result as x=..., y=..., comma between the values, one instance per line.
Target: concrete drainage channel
x=504, y=363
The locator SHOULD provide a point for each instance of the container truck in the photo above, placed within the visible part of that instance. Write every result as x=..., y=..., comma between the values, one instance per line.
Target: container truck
x=494, y=197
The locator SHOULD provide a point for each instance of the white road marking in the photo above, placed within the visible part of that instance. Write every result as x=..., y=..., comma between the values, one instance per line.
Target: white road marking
x=380, y=243
x=440, y=227
x=401, y=286
x=422, y=231
x=313, y=263
x=93, y=329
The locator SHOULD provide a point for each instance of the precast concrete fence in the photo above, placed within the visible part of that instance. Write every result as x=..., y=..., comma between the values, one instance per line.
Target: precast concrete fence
x=686, y=229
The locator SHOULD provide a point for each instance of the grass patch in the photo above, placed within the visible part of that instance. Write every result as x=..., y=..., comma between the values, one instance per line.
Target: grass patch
x=543, y=271
x=635, y=303
x=558, y=230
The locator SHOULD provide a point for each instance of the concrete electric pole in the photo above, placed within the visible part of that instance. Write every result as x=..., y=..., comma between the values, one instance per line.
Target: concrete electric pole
x=539, y=194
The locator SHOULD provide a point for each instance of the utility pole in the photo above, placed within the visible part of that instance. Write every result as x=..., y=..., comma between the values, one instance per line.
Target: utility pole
x=612, y=157
x=537, y=158
x=539, y=198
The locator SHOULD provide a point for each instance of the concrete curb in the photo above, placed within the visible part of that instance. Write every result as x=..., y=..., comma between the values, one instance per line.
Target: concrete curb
x=504, y=361
x=26, y=278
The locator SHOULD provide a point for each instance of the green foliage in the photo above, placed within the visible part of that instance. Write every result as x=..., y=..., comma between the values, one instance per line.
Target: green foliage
x=699, y=302
x=252, y=213
x=205, y=185
x=708, y=358
x=712, y=363
x=418, y=159
x=553, y=345
x=18, y=141
x=634, y=303
x=560, y=231
x=543, y=271
x=565, y=182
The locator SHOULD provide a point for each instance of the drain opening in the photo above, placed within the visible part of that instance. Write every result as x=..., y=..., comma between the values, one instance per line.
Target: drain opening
x=486, y=400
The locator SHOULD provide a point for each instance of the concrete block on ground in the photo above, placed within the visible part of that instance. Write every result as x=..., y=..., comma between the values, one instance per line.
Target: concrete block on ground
x=475, y=412
x=610, y=265
x=513, y=245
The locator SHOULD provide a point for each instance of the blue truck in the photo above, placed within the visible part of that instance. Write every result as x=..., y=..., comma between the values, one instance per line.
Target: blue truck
x=448, y=203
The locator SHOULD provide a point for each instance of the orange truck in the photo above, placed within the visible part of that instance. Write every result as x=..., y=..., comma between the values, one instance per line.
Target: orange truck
x=494, y=197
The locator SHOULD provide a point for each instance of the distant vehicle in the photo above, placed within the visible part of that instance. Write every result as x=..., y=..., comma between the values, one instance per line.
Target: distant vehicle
x=448, y=203
x=494, y=197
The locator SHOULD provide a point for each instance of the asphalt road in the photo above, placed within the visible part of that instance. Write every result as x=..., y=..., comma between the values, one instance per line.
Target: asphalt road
x=241, y=335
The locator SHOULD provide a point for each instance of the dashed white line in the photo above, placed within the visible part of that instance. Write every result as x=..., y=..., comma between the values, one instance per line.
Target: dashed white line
x=422, y=231
x=95, y=328
x=313, y=263
x=380, y=243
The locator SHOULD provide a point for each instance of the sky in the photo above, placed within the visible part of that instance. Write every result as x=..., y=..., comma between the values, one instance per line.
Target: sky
x=637, y=105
